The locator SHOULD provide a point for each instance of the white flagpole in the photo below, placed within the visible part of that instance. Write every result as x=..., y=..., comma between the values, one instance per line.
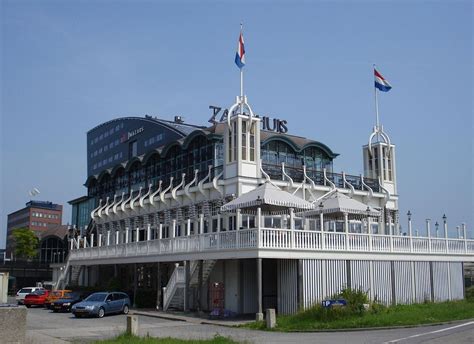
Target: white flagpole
x=241, y=77
x=377, y=124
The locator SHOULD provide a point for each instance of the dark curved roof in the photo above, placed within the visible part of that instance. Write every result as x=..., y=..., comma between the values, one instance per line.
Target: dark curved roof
x=182, y=128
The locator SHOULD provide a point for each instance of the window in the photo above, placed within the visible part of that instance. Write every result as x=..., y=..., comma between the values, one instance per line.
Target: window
x=101, y=136
x=244, y=140
x=252, y=142
x=132, y=149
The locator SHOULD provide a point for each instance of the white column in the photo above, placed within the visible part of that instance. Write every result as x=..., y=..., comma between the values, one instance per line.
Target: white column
x=458, y=229
x=428, y=230
x=148, y=232
x=238, y=219
x=259, y=225
x=201, y=224
x=92, y=240
x=78, y=242
x=137, y=234
x=464, y=236
x=292, y=227
x=108, y=237
x=410, y=232
x=218, y=222
x=99, y=243
x=346, y=229
x=126, y=235
x=72, y=243
x=188, y=227
x=321, y=224
x=173, y=228
x=160, y=231
x=117, y=234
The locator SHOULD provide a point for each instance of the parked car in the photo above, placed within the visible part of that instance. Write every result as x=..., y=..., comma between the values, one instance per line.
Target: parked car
x=66, y=302
x=100, y=304
x=20, y=295
x=55, y=295
x=36, y=298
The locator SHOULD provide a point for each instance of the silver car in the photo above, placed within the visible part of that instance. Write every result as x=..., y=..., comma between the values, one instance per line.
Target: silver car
x=100, y=304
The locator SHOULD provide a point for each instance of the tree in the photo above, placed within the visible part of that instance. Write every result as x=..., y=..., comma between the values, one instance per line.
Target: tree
x=25, y=243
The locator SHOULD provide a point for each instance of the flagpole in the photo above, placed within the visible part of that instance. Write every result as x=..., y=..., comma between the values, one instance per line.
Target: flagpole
x=377, y=123
x=241, y=78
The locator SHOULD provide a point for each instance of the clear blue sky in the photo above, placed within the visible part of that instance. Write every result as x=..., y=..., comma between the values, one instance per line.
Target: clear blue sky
x=70, y=65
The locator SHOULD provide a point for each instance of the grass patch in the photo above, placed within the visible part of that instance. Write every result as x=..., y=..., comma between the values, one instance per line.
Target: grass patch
x=128, y=339
x=319, y=318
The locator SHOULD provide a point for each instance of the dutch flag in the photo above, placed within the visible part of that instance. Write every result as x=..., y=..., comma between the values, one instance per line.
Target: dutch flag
x=380, y=82
x=240, y=54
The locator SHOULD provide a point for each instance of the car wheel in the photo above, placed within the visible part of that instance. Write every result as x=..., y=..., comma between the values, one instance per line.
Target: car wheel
x=77, y=315
x=28, y=306
x=125, y=309
x=55, y=310
x=101, y=312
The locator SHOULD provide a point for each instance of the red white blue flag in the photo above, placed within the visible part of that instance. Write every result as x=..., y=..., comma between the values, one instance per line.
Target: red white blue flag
x=380, y=82
x=240, y=54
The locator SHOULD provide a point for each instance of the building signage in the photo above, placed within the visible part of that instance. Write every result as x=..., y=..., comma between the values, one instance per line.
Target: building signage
x=127, y=136
x=267, y=123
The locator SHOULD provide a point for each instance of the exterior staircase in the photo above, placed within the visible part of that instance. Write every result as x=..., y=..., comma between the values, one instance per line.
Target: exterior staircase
x=173, y=293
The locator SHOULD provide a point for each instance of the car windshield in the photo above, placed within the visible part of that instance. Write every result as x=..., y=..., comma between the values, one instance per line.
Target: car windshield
x=38, y=292
x=56, y=293
x=97, y=297
x=25, y=290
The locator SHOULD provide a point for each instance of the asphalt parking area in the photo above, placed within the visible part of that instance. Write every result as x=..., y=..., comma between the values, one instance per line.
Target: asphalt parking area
x=45, y=326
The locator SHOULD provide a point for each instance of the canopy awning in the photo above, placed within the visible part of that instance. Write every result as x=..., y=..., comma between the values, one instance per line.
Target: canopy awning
x=269, y=198
x=340, y=203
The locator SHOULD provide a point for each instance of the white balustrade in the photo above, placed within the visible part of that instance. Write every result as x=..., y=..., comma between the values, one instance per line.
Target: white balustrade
x=278, y=239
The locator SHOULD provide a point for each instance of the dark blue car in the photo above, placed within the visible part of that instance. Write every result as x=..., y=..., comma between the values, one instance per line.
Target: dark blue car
x=100, y=304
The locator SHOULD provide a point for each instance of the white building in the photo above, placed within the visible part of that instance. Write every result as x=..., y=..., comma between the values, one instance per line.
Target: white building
x=266, y=225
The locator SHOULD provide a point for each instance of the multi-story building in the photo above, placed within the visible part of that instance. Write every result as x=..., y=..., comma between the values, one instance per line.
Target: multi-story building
x=242, y=215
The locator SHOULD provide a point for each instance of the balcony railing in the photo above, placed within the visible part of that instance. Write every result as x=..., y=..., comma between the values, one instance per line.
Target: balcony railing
x=275, y=172
x=280, y=239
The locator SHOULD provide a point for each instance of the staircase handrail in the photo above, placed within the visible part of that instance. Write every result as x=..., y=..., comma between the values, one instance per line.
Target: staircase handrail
x=63, y=274
x=176, y=277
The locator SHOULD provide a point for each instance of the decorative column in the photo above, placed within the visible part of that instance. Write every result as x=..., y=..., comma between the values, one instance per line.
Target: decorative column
x=259, y=315
x=259, y=226
x=410, y=233
x=321, y=224
x=148, y=232
x=445, y=224
x=126, y=235
x=464, y=236
x=292, y=227
x=173, y=228
x=117, y=234
x=238, y=219
x=346, y=229
x=428, y=230
x=188, y=227
x=99, y=242
x=108, y=237
x=160, y=231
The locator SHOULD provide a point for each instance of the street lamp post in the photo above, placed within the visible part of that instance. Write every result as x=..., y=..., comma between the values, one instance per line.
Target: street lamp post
x=410, y=230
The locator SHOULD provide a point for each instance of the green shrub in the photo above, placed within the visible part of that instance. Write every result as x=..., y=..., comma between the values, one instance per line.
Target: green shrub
x=470, y=293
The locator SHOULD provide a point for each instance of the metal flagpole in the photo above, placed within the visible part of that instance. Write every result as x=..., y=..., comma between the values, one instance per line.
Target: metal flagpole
x=241, y=77
x=377, y=123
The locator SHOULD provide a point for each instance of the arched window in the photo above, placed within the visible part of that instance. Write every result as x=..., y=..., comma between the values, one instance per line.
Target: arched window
x=52, y=250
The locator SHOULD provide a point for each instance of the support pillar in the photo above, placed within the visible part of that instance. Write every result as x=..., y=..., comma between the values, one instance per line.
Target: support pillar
x=148, y=232
x=200, y=281
x=160, y=231
x=108, y=238
x=99, y=241
x=201, y=223
x=158, y=286
x=259, y=315
x=137, y=234
x=135, y=284
x=117, y=233
x=187, y=286
x=321, y=224
x=126, y=235
x=173, y=228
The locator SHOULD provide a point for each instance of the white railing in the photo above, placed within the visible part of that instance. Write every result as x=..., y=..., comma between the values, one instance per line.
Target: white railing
x=281, y=239
x=177, y=278
x=62, y=275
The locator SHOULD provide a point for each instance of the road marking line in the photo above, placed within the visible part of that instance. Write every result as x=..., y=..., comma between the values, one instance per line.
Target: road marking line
x=432, y=332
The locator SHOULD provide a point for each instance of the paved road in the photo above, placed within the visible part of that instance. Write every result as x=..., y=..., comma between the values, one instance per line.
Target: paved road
x=56, y=328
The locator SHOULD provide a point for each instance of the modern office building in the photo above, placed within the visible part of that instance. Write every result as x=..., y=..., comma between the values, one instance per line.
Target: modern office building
x=242, y=215
x=37, y=216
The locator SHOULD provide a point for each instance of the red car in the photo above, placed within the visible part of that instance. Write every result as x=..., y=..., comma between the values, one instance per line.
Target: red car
x=36, y=298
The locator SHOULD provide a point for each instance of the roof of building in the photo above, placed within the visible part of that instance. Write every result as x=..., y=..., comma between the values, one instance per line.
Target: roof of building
x=59, y=231
x=41, y=205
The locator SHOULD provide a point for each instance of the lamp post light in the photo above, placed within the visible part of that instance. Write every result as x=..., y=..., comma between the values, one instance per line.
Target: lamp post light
x=437, y=228
x=409, y=214
x=368, y=220
x=445, y=223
